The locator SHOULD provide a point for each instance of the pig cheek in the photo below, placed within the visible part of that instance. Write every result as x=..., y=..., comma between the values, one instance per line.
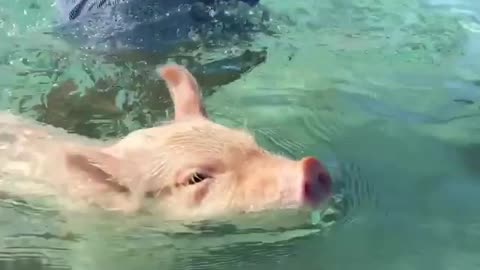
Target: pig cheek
x=175, y=205
x=257, y=194
x=216, y=197
x=199, y=195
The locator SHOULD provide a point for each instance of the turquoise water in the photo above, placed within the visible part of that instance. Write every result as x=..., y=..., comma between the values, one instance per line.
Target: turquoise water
x=385, y=92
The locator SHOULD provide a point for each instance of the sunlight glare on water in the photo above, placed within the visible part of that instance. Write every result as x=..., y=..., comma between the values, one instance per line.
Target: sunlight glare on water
x=385, y=93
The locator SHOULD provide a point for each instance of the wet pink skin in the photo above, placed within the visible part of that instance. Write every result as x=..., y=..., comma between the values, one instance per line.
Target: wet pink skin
x=188, y=168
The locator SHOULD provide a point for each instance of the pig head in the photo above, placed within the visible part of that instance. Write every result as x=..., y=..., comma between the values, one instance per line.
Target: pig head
x=193, y=168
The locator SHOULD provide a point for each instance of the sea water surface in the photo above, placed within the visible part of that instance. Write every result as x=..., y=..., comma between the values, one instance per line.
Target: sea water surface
x=386, y=93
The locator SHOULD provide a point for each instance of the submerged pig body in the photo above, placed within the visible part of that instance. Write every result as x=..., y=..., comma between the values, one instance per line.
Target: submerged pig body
x=189, y=168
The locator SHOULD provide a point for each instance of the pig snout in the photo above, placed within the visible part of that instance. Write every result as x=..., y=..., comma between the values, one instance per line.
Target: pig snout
x=316, y=181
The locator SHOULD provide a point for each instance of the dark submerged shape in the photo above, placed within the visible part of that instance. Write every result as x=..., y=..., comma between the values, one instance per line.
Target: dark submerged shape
x=152, y=26
x=150, y=32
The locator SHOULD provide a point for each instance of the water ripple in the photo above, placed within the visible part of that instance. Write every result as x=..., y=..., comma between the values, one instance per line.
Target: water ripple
x=354, y=192
x=280, y=143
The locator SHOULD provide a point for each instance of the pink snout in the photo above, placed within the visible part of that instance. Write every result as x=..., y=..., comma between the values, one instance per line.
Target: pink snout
x=317, y=184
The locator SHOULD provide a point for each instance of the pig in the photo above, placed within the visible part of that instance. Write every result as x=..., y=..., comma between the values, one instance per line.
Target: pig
x=189, y=168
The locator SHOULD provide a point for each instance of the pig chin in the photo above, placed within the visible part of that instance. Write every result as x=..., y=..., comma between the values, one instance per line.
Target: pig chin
x=291, y=196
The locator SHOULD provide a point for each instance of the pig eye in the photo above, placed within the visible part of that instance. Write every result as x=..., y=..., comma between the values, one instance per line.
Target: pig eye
x=197, y=178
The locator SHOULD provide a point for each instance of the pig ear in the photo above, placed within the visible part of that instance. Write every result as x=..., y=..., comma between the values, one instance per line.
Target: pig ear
x=184, y=90
x=99, y=167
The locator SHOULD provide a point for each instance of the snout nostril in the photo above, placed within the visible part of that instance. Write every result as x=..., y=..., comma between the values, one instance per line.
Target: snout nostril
x=307, y=189
x=325, y=181
x=317, y=181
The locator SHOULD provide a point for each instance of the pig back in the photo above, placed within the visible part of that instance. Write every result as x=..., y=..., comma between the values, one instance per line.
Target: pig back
x=32, y=150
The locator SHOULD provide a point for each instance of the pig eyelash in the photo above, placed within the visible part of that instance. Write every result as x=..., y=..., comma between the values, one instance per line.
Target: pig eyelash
x=197, y=178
